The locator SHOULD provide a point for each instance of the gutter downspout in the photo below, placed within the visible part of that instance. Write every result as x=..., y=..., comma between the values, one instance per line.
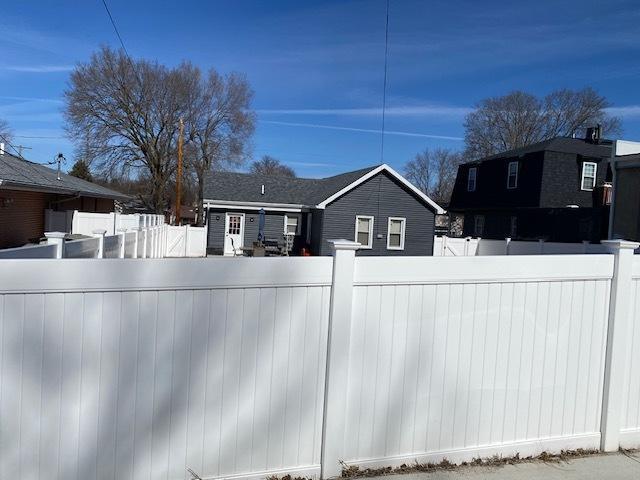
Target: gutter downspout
x=614, y=171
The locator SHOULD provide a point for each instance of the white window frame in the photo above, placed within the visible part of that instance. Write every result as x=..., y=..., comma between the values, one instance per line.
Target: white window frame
x=475, y=225
x=475, y=179
x=516, y=175
x=286, y=221
x=595, y=176
x=369, y=245
x=402, y=232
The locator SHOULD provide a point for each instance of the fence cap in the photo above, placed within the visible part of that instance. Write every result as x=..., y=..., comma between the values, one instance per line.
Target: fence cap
x=620, y=244
x=99, y=231
x=343, y=244
x=54, y=234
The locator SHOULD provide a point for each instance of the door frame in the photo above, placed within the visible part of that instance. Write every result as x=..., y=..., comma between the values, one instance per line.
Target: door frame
x=226, y=232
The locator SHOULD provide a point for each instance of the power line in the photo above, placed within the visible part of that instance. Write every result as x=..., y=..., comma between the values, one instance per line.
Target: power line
x=6, y=142
x=384, y=87
x=115, y=28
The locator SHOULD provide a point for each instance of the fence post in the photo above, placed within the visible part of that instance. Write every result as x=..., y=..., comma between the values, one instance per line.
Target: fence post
x=507, y=244
x=585, y=246
x=136, y=235
x=540, y=246
x=144, y=232
x=618, y=335
x=122, y=234
x=57, y=239
x=99, y=234
x=186, y=240
x=333, y=419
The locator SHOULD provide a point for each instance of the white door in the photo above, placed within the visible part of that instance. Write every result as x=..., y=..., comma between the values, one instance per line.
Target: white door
x=233, y=233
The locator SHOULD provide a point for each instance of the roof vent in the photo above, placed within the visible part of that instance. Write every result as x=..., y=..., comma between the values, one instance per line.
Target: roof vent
x=262, y=190
x=1, y=148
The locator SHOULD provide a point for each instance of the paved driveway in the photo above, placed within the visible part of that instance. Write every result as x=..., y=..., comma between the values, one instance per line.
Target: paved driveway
x=615, y=466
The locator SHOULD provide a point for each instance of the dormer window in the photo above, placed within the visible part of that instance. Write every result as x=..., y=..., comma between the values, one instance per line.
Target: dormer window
x=588, y=181
x=471, y=179
x=512, y=175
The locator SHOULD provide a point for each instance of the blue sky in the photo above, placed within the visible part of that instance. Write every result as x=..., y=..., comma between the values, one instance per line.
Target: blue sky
x=317, y=67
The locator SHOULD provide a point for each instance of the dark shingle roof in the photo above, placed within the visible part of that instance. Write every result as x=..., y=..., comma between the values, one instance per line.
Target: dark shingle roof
x=245, y=187
x=21, y=173
x=577, y=146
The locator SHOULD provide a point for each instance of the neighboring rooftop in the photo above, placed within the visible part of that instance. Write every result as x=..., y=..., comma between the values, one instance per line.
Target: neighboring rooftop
x=20, y=173
x=246, y=187
x=578, y=146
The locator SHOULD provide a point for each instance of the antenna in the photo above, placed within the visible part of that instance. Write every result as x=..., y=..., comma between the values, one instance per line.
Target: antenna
x=58, y=159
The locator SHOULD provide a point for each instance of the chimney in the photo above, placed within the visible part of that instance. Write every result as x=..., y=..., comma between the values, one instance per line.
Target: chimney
x=262, y=190
x=594, y=134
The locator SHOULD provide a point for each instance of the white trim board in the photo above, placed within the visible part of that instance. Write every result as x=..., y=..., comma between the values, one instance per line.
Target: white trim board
x=272, y=207
x=386, y=168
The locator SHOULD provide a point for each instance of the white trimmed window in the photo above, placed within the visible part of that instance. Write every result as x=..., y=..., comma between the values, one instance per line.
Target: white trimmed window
x=478, y=225
x=472, y=177
x=395, y=233
x=588, y=181
x=292, y=224
x=512, y=175
x=364, y=231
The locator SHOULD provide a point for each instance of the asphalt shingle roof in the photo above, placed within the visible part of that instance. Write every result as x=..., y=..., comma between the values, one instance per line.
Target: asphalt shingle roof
x=245, y=187
x=561, y=145
x=17, y=172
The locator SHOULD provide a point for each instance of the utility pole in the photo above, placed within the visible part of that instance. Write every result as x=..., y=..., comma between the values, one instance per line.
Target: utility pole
x=179, y=175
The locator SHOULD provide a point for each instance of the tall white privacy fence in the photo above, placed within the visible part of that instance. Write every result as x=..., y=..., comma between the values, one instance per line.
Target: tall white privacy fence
x=84, y=223
x=246, y=368
x=444, y=246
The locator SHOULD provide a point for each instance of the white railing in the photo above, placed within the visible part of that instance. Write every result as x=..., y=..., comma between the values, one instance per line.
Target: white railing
x=461, y=247
x=276, y=366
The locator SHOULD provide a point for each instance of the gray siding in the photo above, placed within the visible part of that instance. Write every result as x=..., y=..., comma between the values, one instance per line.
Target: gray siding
x=273, y=228
x=381, y=197
x=626, y=221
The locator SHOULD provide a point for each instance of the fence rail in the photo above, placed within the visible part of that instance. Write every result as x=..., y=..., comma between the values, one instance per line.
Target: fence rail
x=444, y=246
x=250, y=368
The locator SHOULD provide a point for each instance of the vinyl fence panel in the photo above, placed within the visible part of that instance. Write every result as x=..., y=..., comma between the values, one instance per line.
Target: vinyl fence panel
x=144, y=368
x=497, y=362
x=85, y=248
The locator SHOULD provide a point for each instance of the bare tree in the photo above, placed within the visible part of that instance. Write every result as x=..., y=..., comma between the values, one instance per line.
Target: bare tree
x=219, y=125
x=124, y=116
x=5, y=132
x=434, y=172
x=269, y=165
x=519, y=119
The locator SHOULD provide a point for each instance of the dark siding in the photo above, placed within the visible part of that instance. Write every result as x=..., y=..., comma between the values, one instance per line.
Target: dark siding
x=316, y=229
x=561, y=180
x=273, y=228
x=626, y=222
x=550, y=224
x=491, y=184
x=381, y=197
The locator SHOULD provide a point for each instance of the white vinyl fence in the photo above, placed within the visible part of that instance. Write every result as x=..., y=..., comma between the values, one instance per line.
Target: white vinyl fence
x=461, y=247
x=85, y=223
x=247, y=368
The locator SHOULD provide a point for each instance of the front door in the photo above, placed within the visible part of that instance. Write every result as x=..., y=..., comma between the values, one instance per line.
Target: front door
x=233, y=233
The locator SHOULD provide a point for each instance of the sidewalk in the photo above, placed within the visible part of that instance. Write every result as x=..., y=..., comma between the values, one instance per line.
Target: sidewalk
x=616, y=466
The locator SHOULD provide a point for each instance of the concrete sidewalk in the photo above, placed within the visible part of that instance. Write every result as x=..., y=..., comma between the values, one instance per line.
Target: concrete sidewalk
x=615, y=466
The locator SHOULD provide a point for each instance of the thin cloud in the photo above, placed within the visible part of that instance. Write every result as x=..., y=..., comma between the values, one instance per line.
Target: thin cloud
x=424, y=110
x=628, y=111
x=39, y=68
x=363, y=130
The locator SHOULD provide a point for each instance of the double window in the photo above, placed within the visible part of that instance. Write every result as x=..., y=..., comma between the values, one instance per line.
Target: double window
x=364, y=231
x=588, y=180
x=512, y=175
x=395, y=233
x=472, y=179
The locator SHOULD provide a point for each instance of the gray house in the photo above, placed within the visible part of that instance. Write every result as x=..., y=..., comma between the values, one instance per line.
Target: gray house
x=375, y=206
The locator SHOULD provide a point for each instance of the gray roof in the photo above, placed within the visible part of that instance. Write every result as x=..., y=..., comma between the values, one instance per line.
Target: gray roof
x=245, y=187
x=577, y=146
x=19, y=173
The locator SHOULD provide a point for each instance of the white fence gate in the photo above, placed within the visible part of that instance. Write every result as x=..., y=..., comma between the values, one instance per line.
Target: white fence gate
x=186, y=241
x=141, y=369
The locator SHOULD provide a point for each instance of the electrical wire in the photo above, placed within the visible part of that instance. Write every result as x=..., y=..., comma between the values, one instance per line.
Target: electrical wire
x=6, y=142
x=115, y=28
x=384, y=86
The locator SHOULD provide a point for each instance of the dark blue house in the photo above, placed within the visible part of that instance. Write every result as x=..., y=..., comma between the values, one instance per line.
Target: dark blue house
x=375, y=206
